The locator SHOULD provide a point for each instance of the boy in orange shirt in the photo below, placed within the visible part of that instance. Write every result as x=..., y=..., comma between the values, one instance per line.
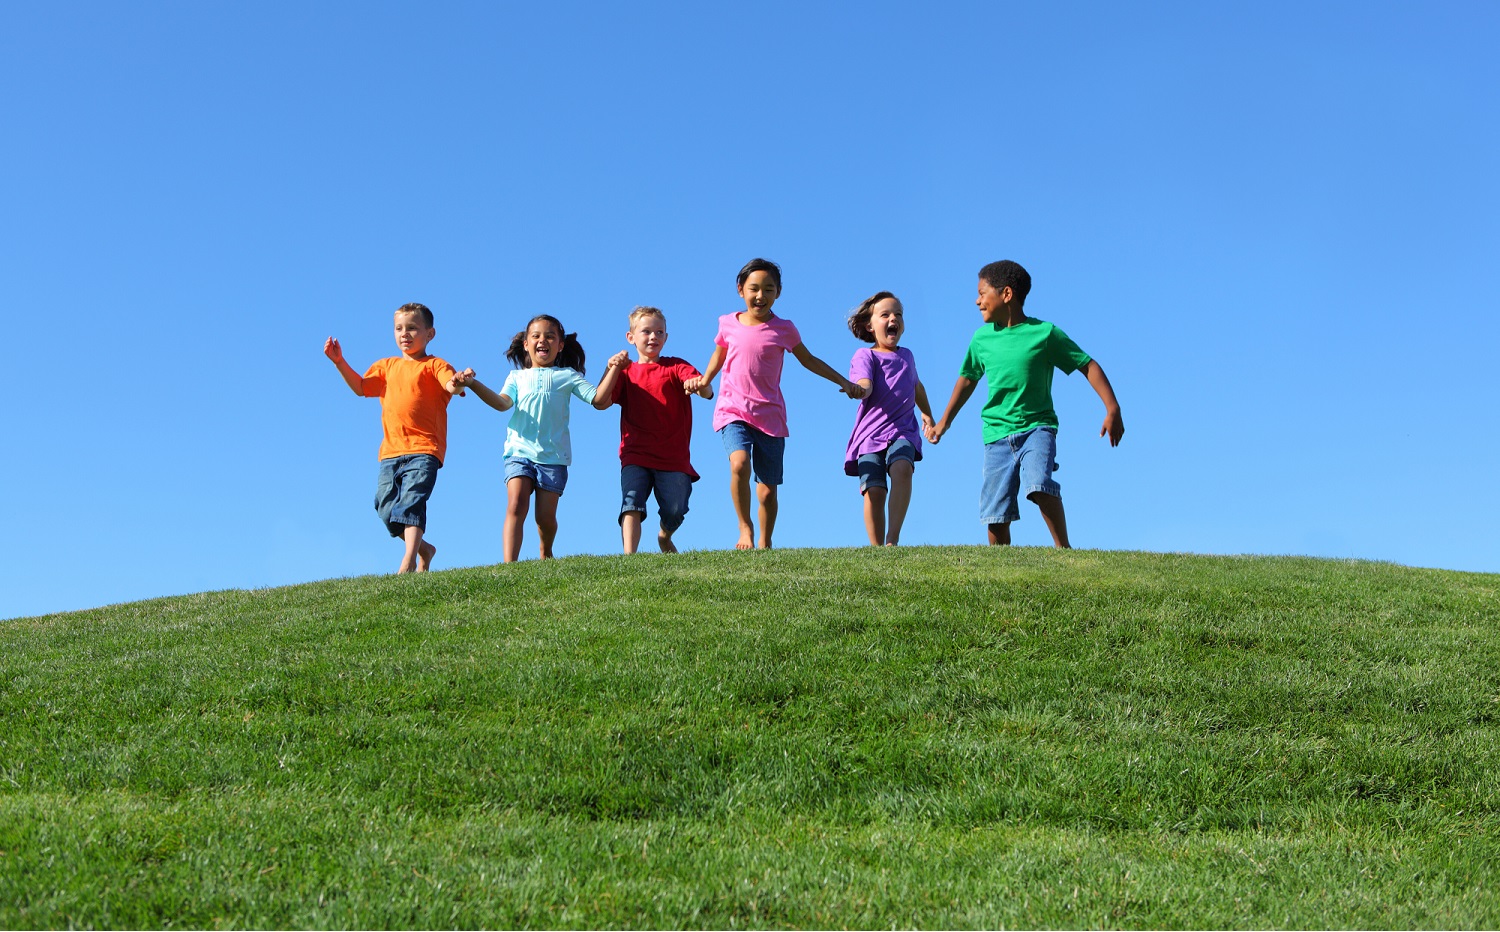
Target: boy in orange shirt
x=414, y=390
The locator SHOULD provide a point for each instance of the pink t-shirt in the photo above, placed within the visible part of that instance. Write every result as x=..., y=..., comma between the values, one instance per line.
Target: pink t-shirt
x=750, y=389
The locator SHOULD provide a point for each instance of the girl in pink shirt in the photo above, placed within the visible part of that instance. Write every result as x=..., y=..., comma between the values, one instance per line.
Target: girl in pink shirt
x=751, y=415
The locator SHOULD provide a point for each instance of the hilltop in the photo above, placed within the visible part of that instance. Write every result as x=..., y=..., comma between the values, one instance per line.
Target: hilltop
x=947, y=736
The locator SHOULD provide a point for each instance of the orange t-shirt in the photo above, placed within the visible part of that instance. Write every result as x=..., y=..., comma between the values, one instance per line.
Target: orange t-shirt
x=413, y=404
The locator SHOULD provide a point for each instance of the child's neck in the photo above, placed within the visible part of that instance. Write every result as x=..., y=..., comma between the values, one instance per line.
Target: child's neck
x=1013, y=314
x=756, y=315
x=415, y=357
x=881, y=349
x=642, y=359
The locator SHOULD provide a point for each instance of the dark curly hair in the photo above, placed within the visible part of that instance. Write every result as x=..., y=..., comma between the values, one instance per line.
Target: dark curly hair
x=420, y=310
x=1006, y=273
x=859, y=321
x=570, y=356
x=759, y=265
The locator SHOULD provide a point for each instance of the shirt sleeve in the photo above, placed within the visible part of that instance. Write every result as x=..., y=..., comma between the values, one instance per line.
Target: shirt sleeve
x=859, y=366
x=373, y=384
x=512, y=387
x=582, y=388
x=719, y=339
x=973, y=365
x=686, y=370
x=788, y=335
x=442, y=370
x=1065, y=353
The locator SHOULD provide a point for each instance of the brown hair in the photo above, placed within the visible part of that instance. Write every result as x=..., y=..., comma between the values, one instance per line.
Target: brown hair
x=420, y=309
x=859, y=321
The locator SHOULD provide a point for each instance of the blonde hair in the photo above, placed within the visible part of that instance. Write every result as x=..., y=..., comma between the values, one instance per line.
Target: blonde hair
x=641, y=311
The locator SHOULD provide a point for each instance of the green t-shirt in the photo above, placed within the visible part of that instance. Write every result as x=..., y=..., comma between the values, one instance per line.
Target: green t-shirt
x=1017, y=363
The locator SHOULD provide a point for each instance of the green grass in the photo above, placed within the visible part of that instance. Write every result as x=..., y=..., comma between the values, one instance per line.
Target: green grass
x=926, y=737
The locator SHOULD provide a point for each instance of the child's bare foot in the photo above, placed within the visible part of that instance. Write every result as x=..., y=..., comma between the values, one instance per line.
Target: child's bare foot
x=425, y=553
x=747, y=538
x=764, y=544
x=664, y=541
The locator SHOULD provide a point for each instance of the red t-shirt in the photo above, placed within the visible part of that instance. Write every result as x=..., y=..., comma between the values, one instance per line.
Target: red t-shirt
x=656, y=415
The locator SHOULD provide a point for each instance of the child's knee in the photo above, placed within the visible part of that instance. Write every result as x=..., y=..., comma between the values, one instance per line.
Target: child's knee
x=901, y=469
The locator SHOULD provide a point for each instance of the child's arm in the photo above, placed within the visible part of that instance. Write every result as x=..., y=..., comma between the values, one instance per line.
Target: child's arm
x=455, y=385
x=962, y=389
x=333, y=351
x=604, y=393
x=1114, y=425
x=701, y=384
x=489, y=396
x=922, y=406
x=818, y=367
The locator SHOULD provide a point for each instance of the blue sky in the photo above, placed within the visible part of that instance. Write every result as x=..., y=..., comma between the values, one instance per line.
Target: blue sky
x=1275, y=226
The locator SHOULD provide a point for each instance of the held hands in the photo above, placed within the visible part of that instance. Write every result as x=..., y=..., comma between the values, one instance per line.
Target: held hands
x=460, y=380
x=854, y=390
x=332, y=350
x=619, y=360
x=694, y=385
x=932, y=430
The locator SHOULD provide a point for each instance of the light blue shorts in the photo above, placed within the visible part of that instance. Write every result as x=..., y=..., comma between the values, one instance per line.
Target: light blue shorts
x=766, y=452
x=549, y=477
x=1015, y=467
x=872, y=467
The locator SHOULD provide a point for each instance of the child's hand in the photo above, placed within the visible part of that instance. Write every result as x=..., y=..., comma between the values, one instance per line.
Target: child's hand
x=934, y=432
x=332, y=350
x=459, y=380
x=1114, y=426
x=619, y=360
x=854, y=390
x=693, y=385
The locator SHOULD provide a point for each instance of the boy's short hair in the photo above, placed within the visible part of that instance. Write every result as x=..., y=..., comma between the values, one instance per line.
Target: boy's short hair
x=641, y=311
x=1008, y=274
x=859, y=321
x=415, y=308
x=759, y=265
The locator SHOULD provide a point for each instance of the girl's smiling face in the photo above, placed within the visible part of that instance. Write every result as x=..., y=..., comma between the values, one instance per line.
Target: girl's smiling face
x=543, y=342
x=887, y=322
x=759, y=291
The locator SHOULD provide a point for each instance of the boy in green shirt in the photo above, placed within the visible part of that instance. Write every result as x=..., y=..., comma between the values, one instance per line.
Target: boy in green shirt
x=1016, y=355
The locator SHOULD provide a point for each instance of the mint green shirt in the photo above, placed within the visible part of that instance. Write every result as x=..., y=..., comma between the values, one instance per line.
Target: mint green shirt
x=538, y=429
x=1016, y=363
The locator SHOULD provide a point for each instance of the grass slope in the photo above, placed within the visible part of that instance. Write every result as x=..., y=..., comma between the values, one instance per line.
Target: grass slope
x=919, y=737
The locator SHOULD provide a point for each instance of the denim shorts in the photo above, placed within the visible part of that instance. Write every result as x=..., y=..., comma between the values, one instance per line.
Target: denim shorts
x=765, y=451
x=402, y=489
x=871, y=467
x=549, y=477
x=1014, y=467
x=672, y=492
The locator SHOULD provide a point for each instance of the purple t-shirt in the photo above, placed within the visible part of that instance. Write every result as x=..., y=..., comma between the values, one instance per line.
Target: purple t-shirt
x=889, y=412
x=750, y=389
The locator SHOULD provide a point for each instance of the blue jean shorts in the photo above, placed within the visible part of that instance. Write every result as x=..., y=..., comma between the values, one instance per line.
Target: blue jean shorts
x=1015, y=467
x=872, y=467
x=672, y=492
x=765, y=451
x=402, y=489
x=549, y=477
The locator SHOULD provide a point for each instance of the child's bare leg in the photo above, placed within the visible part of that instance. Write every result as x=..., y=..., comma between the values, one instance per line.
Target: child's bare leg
x=1057, y=521
x=768, y=508
x=900, y=498
x=518, y=503
x=999, y=535
x=739, y=492
x=546, y=520
x=664, y=541
x=875, y=514
x=423, y=550
x=412, y=537
x=630, y=530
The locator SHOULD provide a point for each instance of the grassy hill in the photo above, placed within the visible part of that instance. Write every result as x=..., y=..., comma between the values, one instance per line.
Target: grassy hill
x=923, y=737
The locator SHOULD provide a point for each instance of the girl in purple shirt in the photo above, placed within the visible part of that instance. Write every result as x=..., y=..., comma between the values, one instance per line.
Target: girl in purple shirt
x=886, y=439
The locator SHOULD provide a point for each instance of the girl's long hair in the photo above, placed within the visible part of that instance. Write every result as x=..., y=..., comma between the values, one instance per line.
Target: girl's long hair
x=859, y=321
x=570, y=356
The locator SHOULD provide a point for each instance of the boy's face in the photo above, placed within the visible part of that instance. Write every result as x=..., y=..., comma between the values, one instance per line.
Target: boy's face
x=759, y=292
x=543, y=343
x=887, y=322
x=991, y=302
x=648, y=335
x=413, y=334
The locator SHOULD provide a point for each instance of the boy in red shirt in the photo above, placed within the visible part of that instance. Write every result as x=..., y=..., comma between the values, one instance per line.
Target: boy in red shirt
x=414, y=390
x=656, y=430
